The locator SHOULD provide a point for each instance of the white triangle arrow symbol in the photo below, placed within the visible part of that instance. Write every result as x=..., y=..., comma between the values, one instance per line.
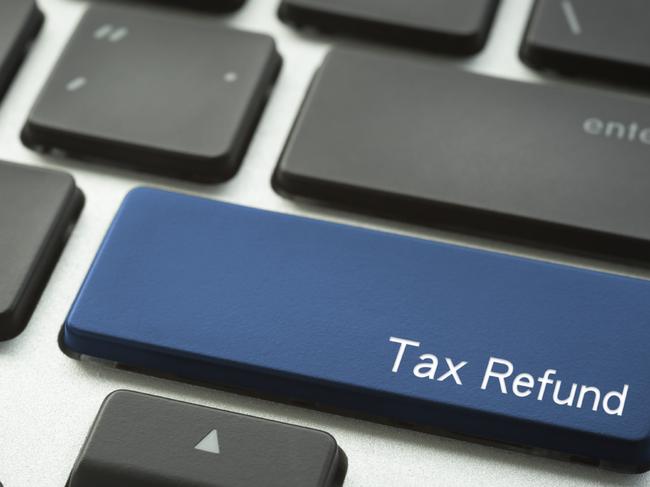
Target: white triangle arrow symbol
x=210, y=443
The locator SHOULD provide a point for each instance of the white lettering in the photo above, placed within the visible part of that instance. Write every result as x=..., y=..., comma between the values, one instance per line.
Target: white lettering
x=581, y=397
x=544, y=381
x=426, y=369
x=593, y=126
x=644, y=136
x=612, y=129
x=501, y=377
x=569, y=400
x=523, y=380
x=500, y=374
x=402, y=347
x=621, y=396
x=453, y=371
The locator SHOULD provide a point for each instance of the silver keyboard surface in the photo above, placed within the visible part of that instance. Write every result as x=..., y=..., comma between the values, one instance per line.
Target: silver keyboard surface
x=48, y=402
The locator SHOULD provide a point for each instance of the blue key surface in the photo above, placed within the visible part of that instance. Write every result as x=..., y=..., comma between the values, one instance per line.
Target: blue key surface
x=383, y=326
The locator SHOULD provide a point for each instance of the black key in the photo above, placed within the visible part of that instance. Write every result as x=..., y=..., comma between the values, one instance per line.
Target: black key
x=549, y=164
x=187, y=106
x=145, y=441
x=450, y=26
x=205, y=5
x=37, y=210
x=20, y=21
x=605, y=40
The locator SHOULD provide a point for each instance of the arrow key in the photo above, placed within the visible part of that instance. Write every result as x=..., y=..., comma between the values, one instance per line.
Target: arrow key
x=145, y=441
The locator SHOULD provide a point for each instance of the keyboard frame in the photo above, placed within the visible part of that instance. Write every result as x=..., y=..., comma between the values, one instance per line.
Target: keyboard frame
x=48, y=401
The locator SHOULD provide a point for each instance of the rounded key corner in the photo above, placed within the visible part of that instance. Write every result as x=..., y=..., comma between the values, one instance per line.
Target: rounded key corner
x=36, y=20
x=329, y=439
x=139, y=192
x=11, y=325
x=35, y=136
x=281, y=181
x=639, y=462
x=75, y=196
x=27, y=137
x=117, y=395
x=289, y=184
x=71, y=340
x=78, y=197
x=221, y=171
x=641, y=441
x=339, y=467
x=272, y=45
x=63, y=346
x=531, y=55
x=281, y=12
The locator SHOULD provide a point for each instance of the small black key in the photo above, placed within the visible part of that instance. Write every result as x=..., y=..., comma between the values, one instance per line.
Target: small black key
x=145, y=441
x=157, y=92
x=450, y=26
x=20, y=21
x=605, y=40
x=404, y=138
x=37, y=210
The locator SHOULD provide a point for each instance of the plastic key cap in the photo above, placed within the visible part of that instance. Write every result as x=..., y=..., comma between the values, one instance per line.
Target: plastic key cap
x=38, y=208
x=552, y=165
x=186, y=107
x=146, y=441
x=604, y=40
x=451, y=26
x=373, y=324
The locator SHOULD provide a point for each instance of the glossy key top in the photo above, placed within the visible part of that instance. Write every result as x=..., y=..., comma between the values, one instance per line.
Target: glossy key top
x=185, y=107
x=409, y=139
x=372, y=324
x=605, y=40
x=145, y=441
x=451, y=26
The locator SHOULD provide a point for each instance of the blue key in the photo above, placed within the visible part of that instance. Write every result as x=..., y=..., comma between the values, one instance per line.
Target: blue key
x=382, y=326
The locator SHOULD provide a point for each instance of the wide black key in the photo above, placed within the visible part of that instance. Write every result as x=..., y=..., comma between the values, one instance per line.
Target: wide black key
x=145, y=441
x=37, y=210
x=605, y=40
x=404, y=138
x=158, y=92
x=20, y=21
x=450, y=26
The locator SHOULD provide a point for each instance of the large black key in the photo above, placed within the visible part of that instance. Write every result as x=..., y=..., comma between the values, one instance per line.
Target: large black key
x=451, y=26
x=37, y=210
x=405, y=138
x=145, y=441
x=606, y=40
x=187, y=106
x=20, y=21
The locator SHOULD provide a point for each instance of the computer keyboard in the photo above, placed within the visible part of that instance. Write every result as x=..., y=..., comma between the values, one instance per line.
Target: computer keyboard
x=473, y=263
